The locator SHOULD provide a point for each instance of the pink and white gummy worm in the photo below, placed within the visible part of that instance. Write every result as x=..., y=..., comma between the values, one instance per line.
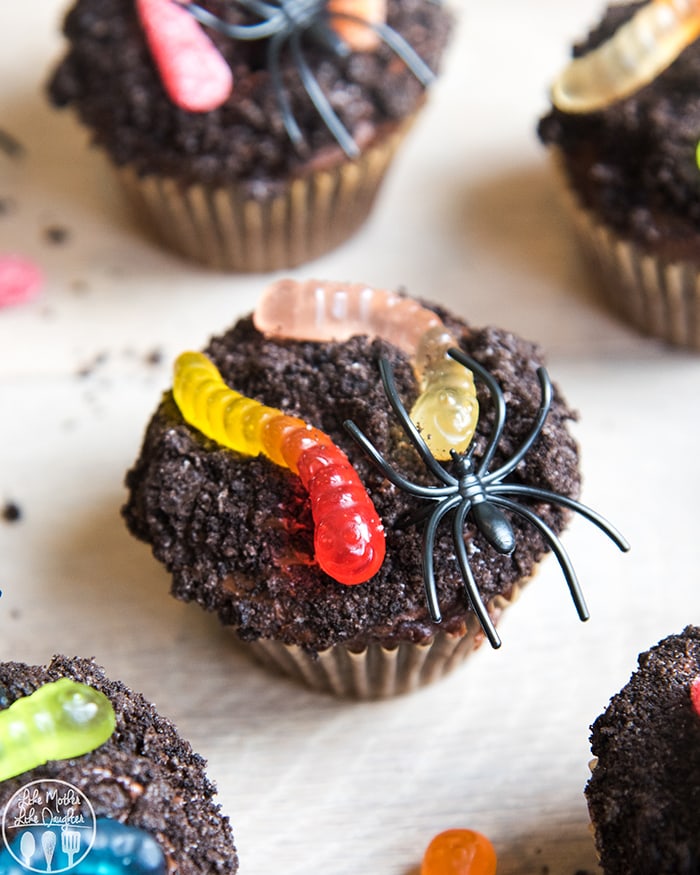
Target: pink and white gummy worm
x=446, y=410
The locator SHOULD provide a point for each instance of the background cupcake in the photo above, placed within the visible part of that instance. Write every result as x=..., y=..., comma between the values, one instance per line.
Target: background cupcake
x=143, y=776
x=624, y=130
x=263, y=179
x=644, y=792
x=236, y=531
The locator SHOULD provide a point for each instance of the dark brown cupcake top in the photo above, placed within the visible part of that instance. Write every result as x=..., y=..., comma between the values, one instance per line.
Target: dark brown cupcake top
x=236, y=532
x=644, y=793
x=634, y=163
x=145, y=775
x=109, y=77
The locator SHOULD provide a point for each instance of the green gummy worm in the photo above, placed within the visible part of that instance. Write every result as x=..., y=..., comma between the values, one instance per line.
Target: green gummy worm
x=60, y=720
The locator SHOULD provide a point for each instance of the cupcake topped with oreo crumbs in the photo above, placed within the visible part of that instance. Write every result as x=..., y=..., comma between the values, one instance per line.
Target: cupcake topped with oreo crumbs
x=120, y=785
x=644, y=791
x=266, y=483
x=303, y=107
x=624, y=128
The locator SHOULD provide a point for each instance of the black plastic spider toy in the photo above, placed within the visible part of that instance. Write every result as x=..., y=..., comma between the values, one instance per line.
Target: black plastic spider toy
x=288, y=21
x=472, y=490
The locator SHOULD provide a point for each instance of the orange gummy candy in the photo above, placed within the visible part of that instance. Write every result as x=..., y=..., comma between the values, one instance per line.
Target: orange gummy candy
x=459, y=852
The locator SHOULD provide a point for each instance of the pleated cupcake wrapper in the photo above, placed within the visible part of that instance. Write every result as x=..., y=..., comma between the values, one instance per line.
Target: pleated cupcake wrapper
x=592, y=763
x=227, y=228
x=377, y=672
x=660, y=298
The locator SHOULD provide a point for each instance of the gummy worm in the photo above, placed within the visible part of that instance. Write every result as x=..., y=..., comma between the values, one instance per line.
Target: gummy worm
x=447, y=409
x=193, y=71
x=348, y=535
x=635, y=55
x=695, y=695
x=59, y=721
x=121, y=848
x=459, y=852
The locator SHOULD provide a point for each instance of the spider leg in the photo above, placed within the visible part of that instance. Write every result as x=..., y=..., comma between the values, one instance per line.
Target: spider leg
x=409, y=427
x=557, y=548
x=320, y=101
x=543, y=410
x=328, y=38
x=391, y=474
x=397, y=44
x=468, y=577
x=427, y=559
x=273, y=20
x=497, y=398
x=554, y=498
x=290, y=123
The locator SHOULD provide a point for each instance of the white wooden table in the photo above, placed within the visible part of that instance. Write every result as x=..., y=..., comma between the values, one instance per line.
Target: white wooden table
x=468, y=217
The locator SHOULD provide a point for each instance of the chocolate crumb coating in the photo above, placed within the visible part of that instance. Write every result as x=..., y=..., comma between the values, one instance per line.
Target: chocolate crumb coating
x=644, y=792
x=108, y=76
x=633, y=163
x=236, y=532
x=144, y=775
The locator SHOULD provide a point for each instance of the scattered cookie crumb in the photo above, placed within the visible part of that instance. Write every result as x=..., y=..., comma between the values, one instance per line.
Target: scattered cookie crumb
x=80, y=286
x=10, y=145
x=56, y=234
x=87, y=369
x=11, y=512
x=154, y=357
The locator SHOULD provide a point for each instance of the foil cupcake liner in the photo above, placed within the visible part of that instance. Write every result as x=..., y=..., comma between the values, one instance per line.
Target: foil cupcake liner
x=660, y=298
x=377, y=672
x=228, y=229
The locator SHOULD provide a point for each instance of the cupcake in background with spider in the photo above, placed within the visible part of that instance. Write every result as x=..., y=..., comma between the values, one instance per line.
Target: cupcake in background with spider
x=254, y=136
x=93, y=779
x=359, y=548
x=623, y=130
x=644, y=791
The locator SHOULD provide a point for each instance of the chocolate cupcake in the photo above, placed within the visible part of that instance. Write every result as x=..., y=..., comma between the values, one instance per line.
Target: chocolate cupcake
x=644, y=791
x=283, y=161
x=624, y=130
x=119, y=781
x=246, y=533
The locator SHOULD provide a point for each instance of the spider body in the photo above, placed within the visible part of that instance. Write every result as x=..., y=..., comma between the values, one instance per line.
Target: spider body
x=491, y=522
x=473, y=490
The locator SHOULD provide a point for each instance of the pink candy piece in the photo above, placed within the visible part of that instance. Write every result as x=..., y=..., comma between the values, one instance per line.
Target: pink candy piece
x=193, y=71
x=20, y=280
x=695, y=695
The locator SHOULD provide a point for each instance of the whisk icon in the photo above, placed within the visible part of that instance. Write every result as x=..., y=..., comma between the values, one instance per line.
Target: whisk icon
x=48, y=846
